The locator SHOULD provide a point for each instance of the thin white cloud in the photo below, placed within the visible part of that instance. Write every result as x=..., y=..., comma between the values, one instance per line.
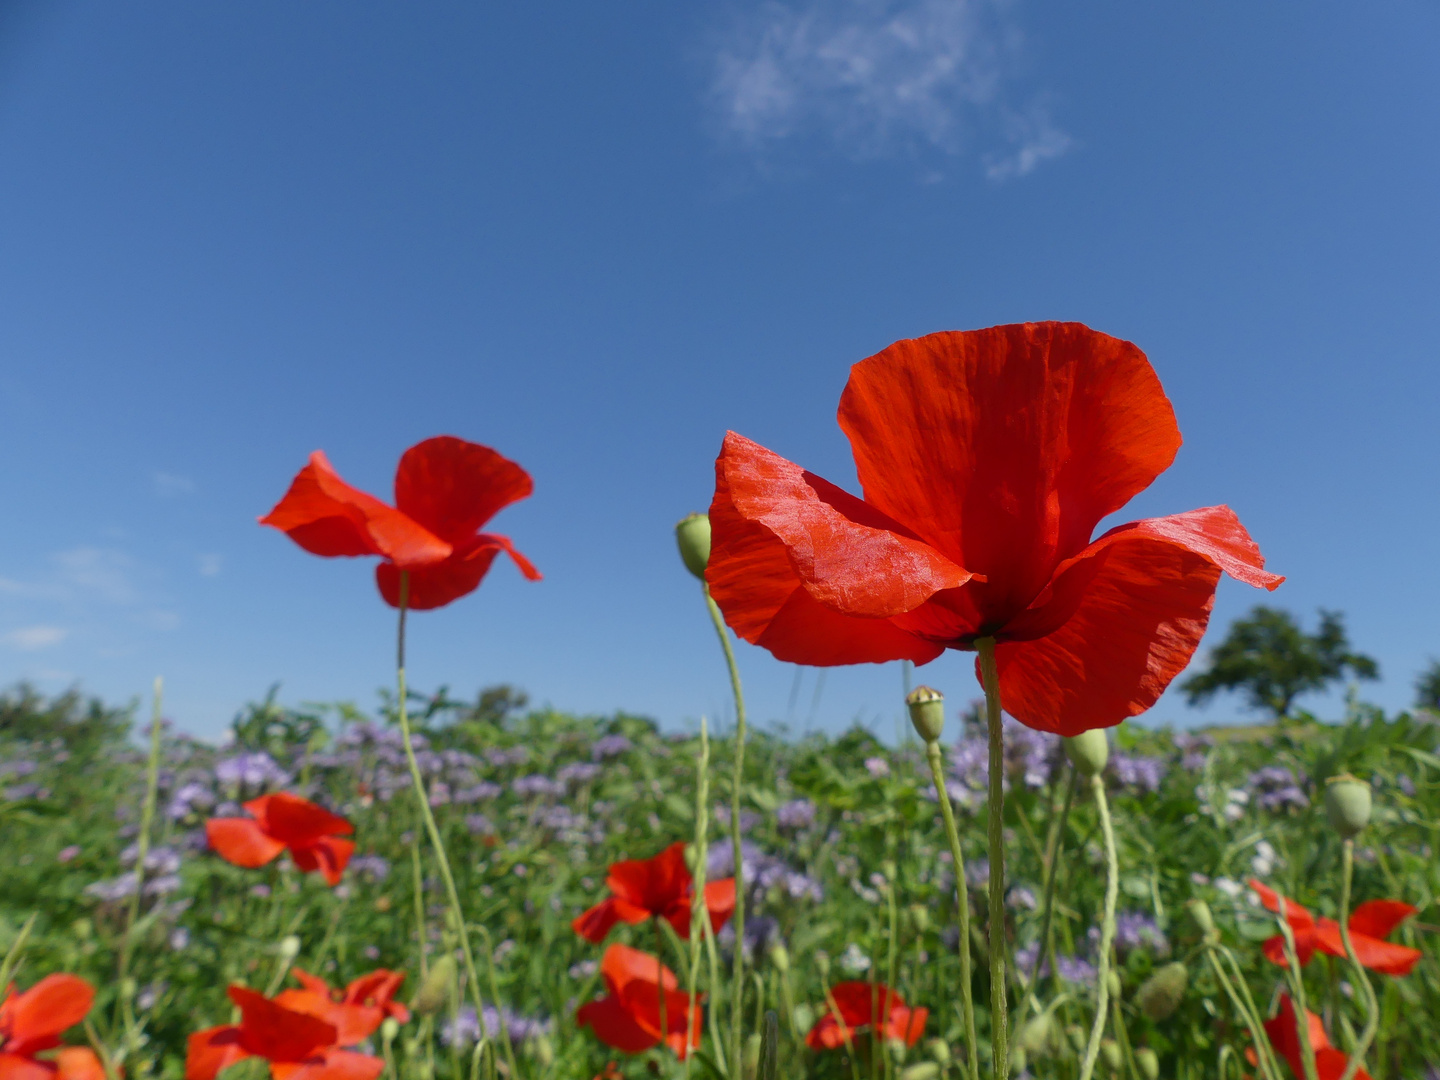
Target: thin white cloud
x=873, y=76
x=169, y=485
x=1034, y=140
x=102, y=572
x=209, y=565
x=30, y=638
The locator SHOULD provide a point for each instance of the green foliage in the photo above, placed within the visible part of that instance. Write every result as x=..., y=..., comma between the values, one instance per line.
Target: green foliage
x=78, y=726
x=1269, y=657
x=1427, y=688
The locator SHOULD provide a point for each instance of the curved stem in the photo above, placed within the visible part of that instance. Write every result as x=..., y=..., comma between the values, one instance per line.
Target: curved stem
x=999, y=1035
x=699, y=912
x=1052, y=862
x=737, y=1018
x=452, y=894
x=1372, y=1007
x=1107, y=928
x=947, y=814
x=1297, y=995
x=142, y=849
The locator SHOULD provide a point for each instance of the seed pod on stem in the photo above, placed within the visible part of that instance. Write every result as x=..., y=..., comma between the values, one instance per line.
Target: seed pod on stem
x=1088, y=751
x=692, y=533
x=1347, y=805
x=927, y=712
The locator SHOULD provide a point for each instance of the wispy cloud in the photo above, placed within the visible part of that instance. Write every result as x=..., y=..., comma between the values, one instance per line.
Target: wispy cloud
x=209, y=565
x=169, y=485
x=1034, y=139
x=30, y=638
x=872, y=76
x=101, y=572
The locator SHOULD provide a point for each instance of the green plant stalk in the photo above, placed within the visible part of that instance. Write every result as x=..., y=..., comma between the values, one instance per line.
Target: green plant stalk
x=422, y=798
x=1052, y=860
x=1297, y=994
x=999, y=1034
x=142, y=847
x=1117, y=1021
x=659, y=979
x=844, y=1033
x=737, y=977
x=717, y=1034
x=495, y=996
x=1107, y=928
x=1372, y=1006
x=17, y=947
x=418, y=882
x=947, y=814
x=1246, y=1010
x=699, y=913
x=890, y=967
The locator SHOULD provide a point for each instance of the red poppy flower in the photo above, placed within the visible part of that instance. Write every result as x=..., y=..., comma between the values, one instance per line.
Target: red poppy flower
x=1284, y=1032
x=357, y=1011
x=32, y=1022
x=445, y=490
x=284, y=822
x=629, y=1018
x=858, y=1004
x=660, y=887
x=1370, y=924
x=986, y=458
x=298, y=1046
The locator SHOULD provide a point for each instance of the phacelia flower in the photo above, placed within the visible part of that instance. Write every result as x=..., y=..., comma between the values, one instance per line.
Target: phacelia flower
x=313, y=836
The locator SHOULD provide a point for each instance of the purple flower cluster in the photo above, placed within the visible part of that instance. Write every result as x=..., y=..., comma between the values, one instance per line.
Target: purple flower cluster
x=1137, y=772
x=763, y=872
x=795, y=815
x=1031, y=758
x=578, y=772
x=500, y=758
x=537, y=785
x=1193, y=750
x=466, y=1029
x=1136, y=930
x=609, y=746
x=251, y=771
x=1072, y=969
x=1276, y=788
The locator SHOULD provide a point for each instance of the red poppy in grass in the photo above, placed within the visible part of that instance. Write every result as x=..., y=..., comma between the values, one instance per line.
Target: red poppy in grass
x=656, y=888
x=298, y=1046
x=986, y=459
x=32, y=1022
x=1284, y=1032
x=629, y=1018
x=858, y=1003
x=446, y=489
x=312, y=835
x=357, y=1011
x=1370, y=924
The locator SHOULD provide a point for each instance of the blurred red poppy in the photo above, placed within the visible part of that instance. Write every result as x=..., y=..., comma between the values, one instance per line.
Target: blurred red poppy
x=858, y=1003
x=1284, y=1032
x=298, y=1046
x=445, y=490
x=283, y=821
x=986, y=458
x=629, y=1018
x=1370, y=924
x=660, y=887
x=357, y=1011
x=32, y=1022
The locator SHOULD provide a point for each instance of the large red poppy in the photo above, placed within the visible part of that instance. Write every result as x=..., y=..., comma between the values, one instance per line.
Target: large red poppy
x=446, y=489
x=858, y=1004
x=32, y=1022
x=298, y=1046
x=986, y=459
x=1370, y=924
x=629, y=1018
x=1284, y=1032
x=660, y=887
x=313, y=835
x=357, y=1011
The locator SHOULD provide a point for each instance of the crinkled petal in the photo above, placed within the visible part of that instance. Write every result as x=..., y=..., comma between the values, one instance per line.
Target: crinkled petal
x=329, y=855
x=435, y=586
x=1004, y=448
x=326, y=516
x=53, y=1005
x=314, y=983
x=720, y=901
x=1273, y=948
x=594, y=924
x=614, y=1026
x=296, y=821
x=208, y=1052
x=1295, y=915
x=453, y=487
x=622, y=965
x=1330, y=1064
x=652, y=884
x=1377, y=955
x=276, y=1033
x=1377, y=918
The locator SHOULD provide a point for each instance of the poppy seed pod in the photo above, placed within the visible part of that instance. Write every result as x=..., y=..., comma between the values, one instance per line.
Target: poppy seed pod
x=752, y=1055
x=692, y=533
x=1110, y=1055
x=927, y=712
x=289, y=947
x=1160, y=995
x=1148, y=1062
x=389, y=1028
x=1112, y=984
x=1200, y=912
x=920, y=918
x=1088, y=751
x=1077, y=1036
x=1017, y=1059
x=434, y=993
x=1347, y=804
x=804, y=1018
x=939, y=1051
x=780, y=957
x=923, y=1070
x=1037, y=1034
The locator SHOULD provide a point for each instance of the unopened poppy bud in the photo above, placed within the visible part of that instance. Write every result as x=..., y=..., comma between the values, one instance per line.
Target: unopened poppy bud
x=544, y=1051
x=1347, y=804
x=920, y=917
x=1200, y=912
x=1077, y=1036
x=752, y=1055
x=434, y=993
x=1148, y=1062
x=1110, y=1055
x=692, y=533
x=927, y=712
x=780, y=957
x=804, y=1018
x=1088, y=751
x=129, y=988
x=289, y=947
x=1017, y=1059
x=1112, y=983
x=1036, y=1034
x=389, y=1028
x=939, y=1051
x=921, y=1070
x=1160, y=995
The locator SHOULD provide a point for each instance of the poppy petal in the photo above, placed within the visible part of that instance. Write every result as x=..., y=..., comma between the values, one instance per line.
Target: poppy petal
x=753, y=581
x=622, y=965
x=453, y=487
x=78, y=1063
x=330, y=1064
x=848, y=555
x=296, y=821
x=653, y=884
x=1273, y=948
x=593, y=925
x=1295, y=915
x=1004, y=448
x=20, y=1067
x=642, y=1001
x=314, y=983
x=276, y=1033
x=826, y=1034
x=614, y=1026
x=54, y=1004
x=1377, y=955
x=333, y=855
x=720, y=901
x=1330, y=1064
x=1377, y=918
x=326, y=516
x=1137, y=620
x=435, y=586
x=906, y=1024
x=377, y=988
x=212, y=1050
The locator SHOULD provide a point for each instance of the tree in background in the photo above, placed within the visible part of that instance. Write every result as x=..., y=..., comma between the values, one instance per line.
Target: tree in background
x=1427, y=688
x=1267, y=655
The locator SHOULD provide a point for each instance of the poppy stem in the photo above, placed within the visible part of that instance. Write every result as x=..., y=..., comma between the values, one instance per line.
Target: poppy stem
x=999, y=1033
x=660, y=981
x=452, y=894
x=737, y=1012
x=1107, y=927
x=1372, y=1007
x=699, y=911
x=1297, y=994
x=1053, y=844
x=142, y=851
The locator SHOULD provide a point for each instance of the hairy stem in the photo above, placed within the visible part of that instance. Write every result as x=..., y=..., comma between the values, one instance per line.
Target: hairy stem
x=1372, y=1007
x=999, y=1034
x=699, y=913
x=1107, y=928
x=1053, y=844
x=1297, y=995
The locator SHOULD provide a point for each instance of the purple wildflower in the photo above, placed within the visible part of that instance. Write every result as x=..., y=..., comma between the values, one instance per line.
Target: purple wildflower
x=609, y=746
x=1138, y=772
x=796, y=814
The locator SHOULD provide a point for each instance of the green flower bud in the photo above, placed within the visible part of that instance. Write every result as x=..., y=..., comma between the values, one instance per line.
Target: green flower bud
x=1160, y=995
x=923, y=1070
x=1078, y=1037
x=1148, y=1062
x=692, y=533
x=920, y=918
x=544, y=1051
x=1112, y=983
x=939, y=1051
x=434, y=993
x=289, y=947
x=1037, y=1034
x=1347, y=804
x=1088, y=751
x=752, y=1054
x=1017, y=1059
x=389, y=1028
x=1110, y=1055
x=1200, y=912
x=804, y=1018
x=780, y=957
x=927, y=712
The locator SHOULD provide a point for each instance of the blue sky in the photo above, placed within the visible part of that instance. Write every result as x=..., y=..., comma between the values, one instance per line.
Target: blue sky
x=596, y=236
